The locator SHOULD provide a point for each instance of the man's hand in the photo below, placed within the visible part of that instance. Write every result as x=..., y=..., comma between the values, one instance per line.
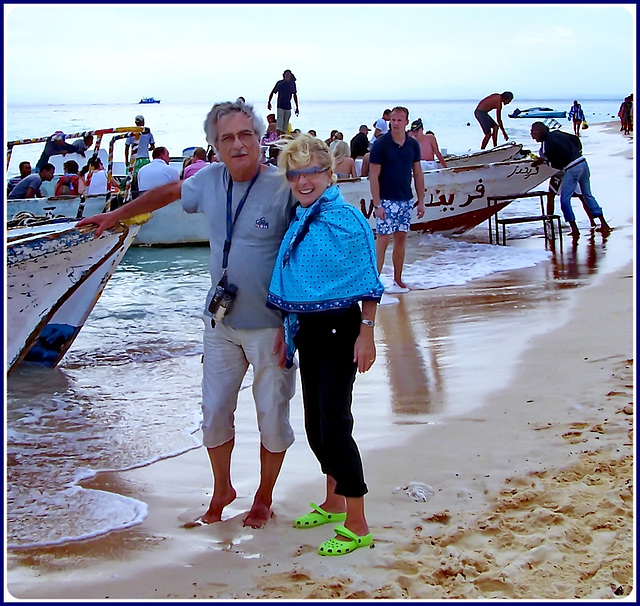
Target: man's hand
x=379, y=212
x=420, y=209
x=103, y=222
x=268, y=105
x=280, y=348
x=297, y=112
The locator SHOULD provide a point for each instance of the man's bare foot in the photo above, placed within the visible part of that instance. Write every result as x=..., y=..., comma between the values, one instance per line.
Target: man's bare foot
x=258, y=516
x=399, y=283
x=218, y=503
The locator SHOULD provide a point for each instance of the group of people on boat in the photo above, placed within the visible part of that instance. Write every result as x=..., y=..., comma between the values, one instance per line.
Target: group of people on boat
x=91, y=179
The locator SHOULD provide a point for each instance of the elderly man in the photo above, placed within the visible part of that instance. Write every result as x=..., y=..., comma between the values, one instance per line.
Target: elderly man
x=157, y=172
x=244, y=199
x=564, y=152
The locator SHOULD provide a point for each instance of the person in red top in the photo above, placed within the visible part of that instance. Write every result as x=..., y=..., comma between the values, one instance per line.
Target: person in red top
x=70, y=183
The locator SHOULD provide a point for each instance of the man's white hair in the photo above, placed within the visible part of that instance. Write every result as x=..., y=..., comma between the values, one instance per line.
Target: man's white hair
x=224, y=109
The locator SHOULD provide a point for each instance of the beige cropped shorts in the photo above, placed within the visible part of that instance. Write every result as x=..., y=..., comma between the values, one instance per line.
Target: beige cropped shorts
x=228, y=352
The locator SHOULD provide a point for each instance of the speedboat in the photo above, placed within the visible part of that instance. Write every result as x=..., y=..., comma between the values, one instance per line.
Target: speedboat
x=149, y=100
x=55, y=275
x=537, y=112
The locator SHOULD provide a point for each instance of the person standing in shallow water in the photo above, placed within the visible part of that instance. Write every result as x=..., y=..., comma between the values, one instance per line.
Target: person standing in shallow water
x=577, y=116
x=564, y=152
x=393, y=161
x=487, y=123
x=249, y=333
x=326, y=265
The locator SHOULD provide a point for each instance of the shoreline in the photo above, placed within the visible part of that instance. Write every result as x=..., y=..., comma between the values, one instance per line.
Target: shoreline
x=545, y=512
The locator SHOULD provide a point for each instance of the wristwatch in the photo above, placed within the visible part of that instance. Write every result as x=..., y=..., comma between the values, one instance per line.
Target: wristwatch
x=368, y=322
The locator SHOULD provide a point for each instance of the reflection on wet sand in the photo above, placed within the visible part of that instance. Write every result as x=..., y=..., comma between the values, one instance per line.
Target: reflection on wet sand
x=411, y=361
x=580, y=259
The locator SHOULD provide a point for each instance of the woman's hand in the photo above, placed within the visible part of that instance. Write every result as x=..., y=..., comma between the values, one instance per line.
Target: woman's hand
x=364, y=352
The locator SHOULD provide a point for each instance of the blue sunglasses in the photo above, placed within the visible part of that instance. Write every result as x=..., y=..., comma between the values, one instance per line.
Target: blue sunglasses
x=292, y=175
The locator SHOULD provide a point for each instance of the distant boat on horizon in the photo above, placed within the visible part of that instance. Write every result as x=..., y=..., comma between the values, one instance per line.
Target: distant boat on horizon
x=149, y=100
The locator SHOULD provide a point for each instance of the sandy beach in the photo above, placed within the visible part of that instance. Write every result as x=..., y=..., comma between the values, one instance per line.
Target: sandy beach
x=524, y=492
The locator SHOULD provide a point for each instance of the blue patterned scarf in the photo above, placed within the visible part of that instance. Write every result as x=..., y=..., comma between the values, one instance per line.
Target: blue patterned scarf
x=327, y=260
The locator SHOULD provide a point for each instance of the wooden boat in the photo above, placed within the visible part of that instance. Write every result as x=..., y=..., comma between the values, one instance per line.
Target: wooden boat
x=55, y=275
x=537, y=112
x=500, y=153
x=28, y=210
x=457, y=198
x=149, y=100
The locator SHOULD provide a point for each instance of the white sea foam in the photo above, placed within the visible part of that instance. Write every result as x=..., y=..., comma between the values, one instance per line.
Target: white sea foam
x=448, y=262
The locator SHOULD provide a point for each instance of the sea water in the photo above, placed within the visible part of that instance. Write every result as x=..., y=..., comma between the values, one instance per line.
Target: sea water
x=128, y=391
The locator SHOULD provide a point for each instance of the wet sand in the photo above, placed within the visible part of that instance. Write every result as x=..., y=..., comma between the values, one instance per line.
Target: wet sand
x=510, y=399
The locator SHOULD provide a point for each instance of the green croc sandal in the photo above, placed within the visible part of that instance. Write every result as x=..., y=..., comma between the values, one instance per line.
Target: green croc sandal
x=335, y=547
x=318, y=517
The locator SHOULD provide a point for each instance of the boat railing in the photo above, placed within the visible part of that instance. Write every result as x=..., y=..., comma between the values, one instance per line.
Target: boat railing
x=120, y=132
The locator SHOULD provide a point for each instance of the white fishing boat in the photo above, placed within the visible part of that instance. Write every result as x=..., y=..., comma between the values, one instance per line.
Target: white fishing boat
x=458, y=198
x=55, y=274
x=500, y=153
x=75, y=207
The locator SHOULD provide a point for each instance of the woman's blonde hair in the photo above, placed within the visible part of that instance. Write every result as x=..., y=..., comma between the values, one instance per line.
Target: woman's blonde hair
x=340, y=151
x=304, y=151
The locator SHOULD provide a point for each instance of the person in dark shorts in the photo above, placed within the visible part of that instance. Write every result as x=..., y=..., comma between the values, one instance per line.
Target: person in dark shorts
x=487, y=123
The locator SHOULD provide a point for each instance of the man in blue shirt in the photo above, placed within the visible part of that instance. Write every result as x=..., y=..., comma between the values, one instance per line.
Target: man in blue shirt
x=55, y=146
x=286, y=88
x=394, y=160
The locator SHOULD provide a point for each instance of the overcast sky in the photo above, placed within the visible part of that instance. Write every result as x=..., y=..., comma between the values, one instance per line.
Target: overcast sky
x=111, y=53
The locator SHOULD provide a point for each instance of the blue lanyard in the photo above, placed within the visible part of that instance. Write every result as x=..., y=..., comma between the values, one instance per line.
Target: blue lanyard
x=231, y=222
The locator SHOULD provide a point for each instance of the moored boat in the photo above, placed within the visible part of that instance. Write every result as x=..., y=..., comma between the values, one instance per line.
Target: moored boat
x=500, y=153
x=74, y=206
x=55, y=275
x=537, y=112
x=457, y=199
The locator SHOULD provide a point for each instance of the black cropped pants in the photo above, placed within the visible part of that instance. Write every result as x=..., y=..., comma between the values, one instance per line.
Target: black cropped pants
x=325, y=343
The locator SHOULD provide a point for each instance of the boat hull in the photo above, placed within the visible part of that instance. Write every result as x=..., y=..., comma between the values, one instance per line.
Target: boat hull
x=55, y=275
x=501, y=153
x=456, y=199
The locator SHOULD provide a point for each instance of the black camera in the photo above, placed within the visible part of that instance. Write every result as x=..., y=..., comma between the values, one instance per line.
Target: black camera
x=223, y=297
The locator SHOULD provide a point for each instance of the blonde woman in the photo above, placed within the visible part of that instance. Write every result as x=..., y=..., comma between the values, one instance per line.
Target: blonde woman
x=345, y=165
x=326, y=266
